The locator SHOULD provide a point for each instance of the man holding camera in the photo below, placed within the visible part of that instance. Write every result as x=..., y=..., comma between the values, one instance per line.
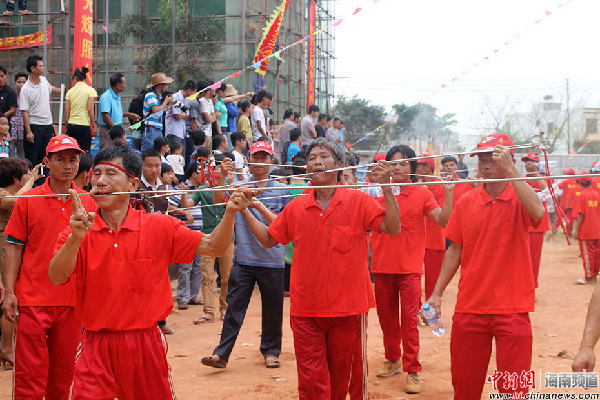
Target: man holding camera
x=155, y=102
x=177, y=115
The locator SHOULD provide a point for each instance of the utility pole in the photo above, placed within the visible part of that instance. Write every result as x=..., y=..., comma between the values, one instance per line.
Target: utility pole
x=568, y=121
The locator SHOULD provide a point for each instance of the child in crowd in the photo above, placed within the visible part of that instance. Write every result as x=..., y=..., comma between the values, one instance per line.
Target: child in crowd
x=167, y=177
x=176, y=160
x=162, y=146
x=4, y=139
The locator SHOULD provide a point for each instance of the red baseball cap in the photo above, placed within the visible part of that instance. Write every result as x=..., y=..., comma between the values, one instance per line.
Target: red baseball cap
x=490, y=141
x=379, y=157
x=584, y=180
x=595, y=167
x=261, y=146
x=428, y=161
x=531, y=156
x=569, y=171
x=62, y=142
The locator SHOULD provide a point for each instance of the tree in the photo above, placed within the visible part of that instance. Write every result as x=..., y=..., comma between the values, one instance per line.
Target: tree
x=194, y=40
x=360, y=117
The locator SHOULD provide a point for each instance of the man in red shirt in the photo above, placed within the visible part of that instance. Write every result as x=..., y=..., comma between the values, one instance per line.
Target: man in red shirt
x=449, y=168
x=567, y=186
x=586, y=227
x=331, y=291
x=536, y=233
x=397, y=265
x=47, y=330
x=120, y=262
x=490, y=242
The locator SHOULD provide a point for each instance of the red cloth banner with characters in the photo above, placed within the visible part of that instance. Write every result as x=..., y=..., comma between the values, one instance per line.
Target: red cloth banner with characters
x=310, y=75
x=83, y=49
x=31, y=40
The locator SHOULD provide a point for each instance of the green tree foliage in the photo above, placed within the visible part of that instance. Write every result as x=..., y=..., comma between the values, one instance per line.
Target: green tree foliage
x=193, y=37
x=360, y=117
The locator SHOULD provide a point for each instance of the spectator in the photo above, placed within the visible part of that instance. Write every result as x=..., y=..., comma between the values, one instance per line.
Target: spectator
x=167, y=177
x=258, y=119
x=155, y=102
x=221, y=108
x=334, y=132
x=307, y=126
x=35, y=108
x=10, y=8
x=199, y=140
x=260, y=83
x=4, y=137
x=111, y=110
x=323, y=124
x=284, y=134
x=117, y=136
x=162, y=147
x=176, y=160
x=8, y=96
x=294, y=147
x=281, y=175
x=79, y=110
x=82, y=179
x=239, y=145
x=297, y=119
x=191, y=125
x=231, y=97
x=220, y=144
x=463, y=170
x=16, y=122
x=206, y=111
x=136, y=106
x=175, y=126
x=243, y=125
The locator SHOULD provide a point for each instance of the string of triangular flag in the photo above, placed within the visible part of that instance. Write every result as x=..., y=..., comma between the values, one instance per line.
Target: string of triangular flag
x=574, y=152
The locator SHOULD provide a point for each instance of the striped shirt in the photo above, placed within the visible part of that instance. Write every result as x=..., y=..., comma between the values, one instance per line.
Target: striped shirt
x=151, y=100
x=196, y=212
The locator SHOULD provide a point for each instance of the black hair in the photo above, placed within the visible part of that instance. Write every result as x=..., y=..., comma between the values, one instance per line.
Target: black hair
x=221, y=88
x=279, y=172
x=295, y=134
x=202, y=152
x=192, y=167
x=584, y=184
x=3, y=69
x=115, y=79
x=448, y=159
x=20, y=75
x=81, y=73
x=85, y=163
x=3, y=116
x=32, y=62
x=299, y=163
x=254, y=99
x=237, y=137
x=406, y=152
x=165, y=167
x=150, y=153
x=330, y=145
x=159, y=142
x=11, y=169
x=132, y=163
x=262, y=94
x=116, y=132
x=175, y=146
x=324, y=117
x=337, y=119
x=229, y=155
x=219, y=158
x=198, y=137
x=217, y=140
x=297, y=115
x=189, y=85
x=288, y=113
x=244, y=105
x=313, y=108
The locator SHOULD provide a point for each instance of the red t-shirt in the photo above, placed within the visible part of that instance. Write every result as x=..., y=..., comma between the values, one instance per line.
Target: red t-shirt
x=587, y=204
x=330, y=273
x=568, y=186
x=434, y=234
x=36, y=223
x=122, y=279
x=459, y=190
x=596, y=184
x=496, y=275
x=404, y=253
x=544, y=225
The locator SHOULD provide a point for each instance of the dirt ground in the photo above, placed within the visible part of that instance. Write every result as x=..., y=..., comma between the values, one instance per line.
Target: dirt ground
x=557, y=325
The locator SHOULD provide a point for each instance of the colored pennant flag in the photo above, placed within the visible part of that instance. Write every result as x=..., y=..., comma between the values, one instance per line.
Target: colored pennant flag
x=138, y=125
x=548, y=13
x=267, y=43
x=236, y=74
x=194, y=96
x=215, y=85
x=319, y=31
x=336, y=23
x=356, y=11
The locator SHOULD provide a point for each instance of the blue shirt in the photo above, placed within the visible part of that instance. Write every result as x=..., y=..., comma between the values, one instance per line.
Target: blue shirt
x=151, y=100
x=248, y=251
x=110, y=103
x=259, y=81
x=292, y=151
x=232, y=114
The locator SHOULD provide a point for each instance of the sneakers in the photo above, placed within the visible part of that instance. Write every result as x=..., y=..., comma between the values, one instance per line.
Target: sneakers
x=390, y=368
x=413, y=383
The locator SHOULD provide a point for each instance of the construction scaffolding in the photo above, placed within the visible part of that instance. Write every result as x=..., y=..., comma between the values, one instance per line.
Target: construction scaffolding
x=243, y=22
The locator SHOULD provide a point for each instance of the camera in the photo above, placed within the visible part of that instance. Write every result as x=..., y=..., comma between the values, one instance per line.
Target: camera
x=181, y=105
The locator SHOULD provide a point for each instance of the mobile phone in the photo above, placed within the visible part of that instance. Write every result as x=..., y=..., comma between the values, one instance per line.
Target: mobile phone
x=42, y=170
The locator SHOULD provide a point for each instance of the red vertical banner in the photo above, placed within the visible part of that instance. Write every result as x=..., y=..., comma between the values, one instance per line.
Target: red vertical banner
x=310, y=76
x=83, y=47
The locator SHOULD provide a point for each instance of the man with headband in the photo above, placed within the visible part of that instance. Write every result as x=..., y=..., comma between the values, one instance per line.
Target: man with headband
x=119, y=259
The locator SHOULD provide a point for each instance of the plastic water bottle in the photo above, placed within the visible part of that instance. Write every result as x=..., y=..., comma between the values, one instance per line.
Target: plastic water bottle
x=433, y=320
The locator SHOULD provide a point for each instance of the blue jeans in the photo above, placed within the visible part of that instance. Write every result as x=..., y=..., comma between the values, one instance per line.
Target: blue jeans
x=148, y=137
x=190, y=280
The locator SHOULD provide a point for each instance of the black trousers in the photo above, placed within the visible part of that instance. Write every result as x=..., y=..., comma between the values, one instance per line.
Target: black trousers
x=36, y=151
x=241, y=284
x=83, y=135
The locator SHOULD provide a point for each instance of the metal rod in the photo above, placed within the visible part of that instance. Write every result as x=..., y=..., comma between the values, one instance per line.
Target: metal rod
x=224, y=204
x=45, y=12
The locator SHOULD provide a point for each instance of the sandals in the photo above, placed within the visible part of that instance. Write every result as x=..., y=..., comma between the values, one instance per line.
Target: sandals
x=214, y=361
x=6, y=362
x=271, y=361
x=204, y=320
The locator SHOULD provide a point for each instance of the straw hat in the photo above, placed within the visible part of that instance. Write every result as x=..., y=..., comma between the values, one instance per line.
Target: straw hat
x=230, y=91
x=159, y=78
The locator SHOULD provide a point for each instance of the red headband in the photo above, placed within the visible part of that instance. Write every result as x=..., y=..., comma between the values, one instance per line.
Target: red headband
x=117, y=167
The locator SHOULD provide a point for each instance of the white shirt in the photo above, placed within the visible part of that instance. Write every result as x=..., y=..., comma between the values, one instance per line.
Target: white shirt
x=155, y=186
x=176, y=162
x=206, y=106
x=258, y=114
x=239, y=160
x=35, y=99
x=175, y=127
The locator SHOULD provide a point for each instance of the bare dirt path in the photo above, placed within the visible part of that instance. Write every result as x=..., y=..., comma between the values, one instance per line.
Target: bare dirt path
x=557, y=325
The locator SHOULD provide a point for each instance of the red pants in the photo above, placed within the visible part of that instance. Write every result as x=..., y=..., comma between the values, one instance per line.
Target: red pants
x=471, y=347
x=331, y=357
x=433, y=266
x=590, y=255
x=389, y=288
x=129, y=365
x=536, y=240
x=45, y=349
